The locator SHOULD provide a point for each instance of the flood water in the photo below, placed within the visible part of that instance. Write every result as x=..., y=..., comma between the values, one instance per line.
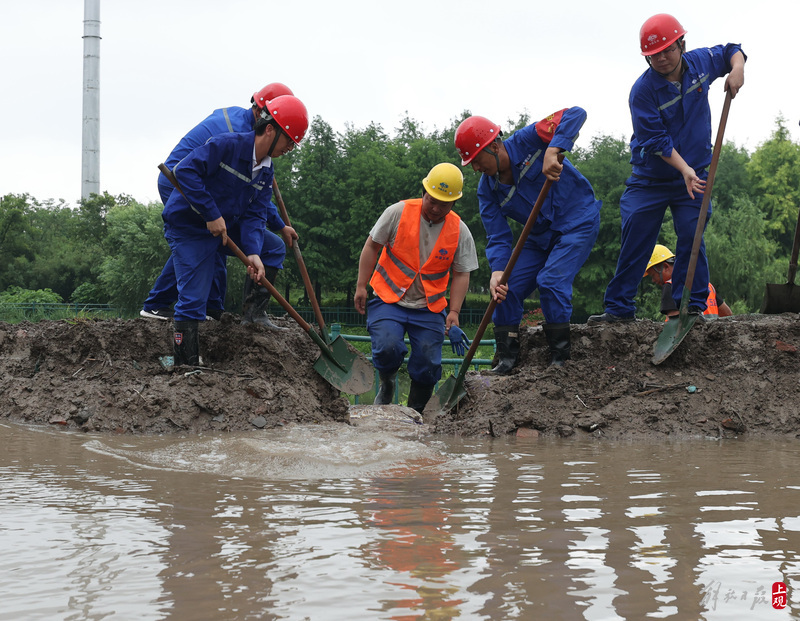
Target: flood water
x=334, y=522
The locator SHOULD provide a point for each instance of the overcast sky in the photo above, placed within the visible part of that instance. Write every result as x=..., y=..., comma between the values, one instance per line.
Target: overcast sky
x=166, y=64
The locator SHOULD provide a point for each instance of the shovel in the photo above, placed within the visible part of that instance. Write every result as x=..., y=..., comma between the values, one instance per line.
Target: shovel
x=301, y=264
x=675, y=330
x=453, y=390
x=785, y=298
x=341, y=367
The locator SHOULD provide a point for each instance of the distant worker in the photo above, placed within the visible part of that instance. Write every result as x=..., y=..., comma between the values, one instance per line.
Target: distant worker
x=514, y=172
x=670, y=154
x=164, y=293
x=424, y=246
x=659, y=269
x=227, y=183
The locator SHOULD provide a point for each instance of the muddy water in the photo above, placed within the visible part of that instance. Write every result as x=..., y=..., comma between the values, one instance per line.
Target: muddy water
x=342, y=523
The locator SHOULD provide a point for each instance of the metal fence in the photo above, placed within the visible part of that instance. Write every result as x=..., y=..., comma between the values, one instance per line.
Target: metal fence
x=349, y=316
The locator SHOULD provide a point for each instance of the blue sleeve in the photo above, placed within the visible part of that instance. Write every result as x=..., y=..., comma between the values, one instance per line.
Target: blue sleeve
x=648, y=126
x=193, y=170
x=274, y=221
x=499, y=238
x=257, y=216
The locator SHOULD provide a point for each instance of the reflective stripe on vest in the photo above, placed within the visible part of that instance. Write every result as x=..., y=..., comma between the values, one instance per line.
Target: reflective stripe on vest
x=398, y=264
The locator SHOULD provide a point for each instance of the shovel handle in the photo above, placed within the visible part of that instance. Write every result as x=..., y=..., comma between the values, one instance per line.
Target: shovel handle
x=243, y=258
x=300, y=263
x=701, y=220
x=523, y=237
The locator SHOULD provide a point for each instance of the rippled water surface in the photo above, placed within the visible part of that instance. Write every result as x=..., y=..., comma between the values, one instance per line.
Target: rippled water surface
x=333, y=522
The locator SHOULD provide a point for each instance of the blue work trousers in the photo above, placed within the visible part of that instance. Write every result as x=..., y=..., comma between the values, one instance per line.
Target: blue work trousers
x=642, y=206
x=388, y=324
x=165, y=290
x=549, y=261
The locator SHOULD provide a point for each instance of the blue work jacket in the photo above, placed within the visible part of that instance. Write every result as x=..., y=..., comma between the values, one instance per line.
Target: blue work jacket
x=666, y=118
x=217, y=179
x=221, y=121
x=570, y=203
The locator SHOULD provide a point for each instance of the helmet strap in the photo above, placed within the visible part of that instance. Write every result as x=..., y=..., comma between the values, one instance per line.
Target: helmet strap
x=278, y=132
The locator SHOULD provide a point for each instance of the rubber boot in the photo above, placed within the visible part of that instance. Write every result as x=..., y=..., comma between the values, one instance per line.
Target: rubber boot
x=186, y=343
x=385, y=392
x=419, y=395
x=256, y=301
x=507, y=338
x=557, y=335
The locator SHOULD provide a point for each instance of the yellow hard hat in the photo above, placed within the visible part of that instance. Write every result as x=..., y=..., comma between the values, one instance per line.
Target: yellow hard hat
x=444, y=182
x=660, y=254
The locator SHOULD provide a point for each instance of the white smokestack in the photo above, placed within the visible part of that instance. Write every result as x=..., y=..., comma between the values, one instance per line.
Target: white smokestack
x=90, y=163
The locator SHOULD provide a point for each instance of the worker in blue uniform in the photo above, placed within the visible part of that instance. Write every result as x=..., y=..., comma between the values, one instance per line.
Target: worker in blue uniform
x=514, y=171
x=164, y=293
x=670, y=154
x=226, y=189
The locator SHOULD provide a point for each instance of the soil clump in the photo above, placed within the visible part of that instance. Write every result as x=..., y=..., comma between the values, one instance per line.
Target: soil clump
x=733, y=377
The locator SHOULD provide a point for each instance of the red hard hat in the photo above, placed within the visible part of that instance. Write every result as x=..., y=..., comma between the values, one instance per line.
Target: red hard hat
x=474, y=134
x=270, y=91
x=658, y=33
x=291, y=114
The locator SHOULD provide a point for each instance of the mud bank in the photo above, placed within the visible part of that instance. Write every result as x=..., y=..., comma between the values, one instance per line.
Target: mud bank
x=735, y=377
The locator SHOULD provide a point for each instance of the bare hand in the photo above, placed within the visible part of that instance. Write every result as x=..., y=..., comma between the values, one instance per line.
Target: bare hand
x=693, y=183
x=217, y=227
x=551, y=167
x=498, y=291
x=360, y=299
x=256, y=268
x=289, y=235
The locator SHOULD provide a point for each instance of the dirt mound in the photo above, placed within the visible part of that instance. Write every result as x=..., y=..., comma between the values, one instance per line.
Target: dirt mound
x=731, y=377
x=108, y=376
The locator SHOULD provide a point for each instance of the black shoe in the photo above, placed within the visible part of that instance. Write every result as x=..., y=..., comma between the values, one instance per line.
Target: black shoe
x=608, y=318
x=158, y=313
x=214, y=313
x=696, y=311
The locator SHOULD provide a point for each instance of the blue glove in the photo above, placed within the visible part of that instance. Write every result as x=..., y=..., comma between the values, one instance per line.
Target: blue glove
x=458, y=340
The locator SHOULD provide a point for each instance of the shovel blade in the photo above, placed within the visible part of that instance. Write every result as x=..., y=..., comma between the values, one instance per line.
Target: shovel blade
x=781, y=299
x=345, y=368
x=449, y=394
x=675, y=330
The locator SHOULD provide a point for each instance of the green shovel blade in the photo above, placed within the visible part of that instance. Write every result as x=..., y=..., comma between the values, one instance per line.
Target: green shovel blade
x=345, y=369
x=449, y=394
x=675, y=330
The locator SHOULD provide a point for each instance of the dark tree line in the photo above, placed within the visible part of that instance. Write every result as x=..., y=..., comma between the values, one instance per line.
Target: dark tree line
x=109, y=249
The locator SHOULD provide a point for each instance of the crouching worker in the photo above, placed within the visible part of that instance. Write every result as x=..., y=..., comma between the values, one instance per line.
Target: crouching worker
x=424, y=246
x=659, y=269
x=227, y=186
x=513, y=174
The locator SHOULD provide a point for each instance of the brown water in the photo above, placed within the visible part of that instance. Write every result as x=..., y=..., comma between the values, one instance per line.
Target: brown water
x=332, y=522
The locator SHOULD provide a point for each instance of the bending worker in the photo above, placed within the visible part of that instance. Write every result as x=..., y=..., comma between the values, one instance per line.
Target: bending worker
x=659, y=269
x=164, y=293
x=227, y=183
x=423, y=245
x=513, y=173
x=670, y=154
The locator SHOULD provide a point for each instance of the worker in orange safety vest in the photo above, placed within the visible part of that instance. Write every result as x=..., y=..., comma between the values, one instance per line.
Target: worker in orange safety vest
x=424, y=246
x=659, y=269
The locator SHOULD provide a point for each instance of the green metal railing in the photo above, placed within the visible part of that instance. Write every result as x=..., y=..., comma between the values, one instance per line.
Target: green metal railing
x=476, y=363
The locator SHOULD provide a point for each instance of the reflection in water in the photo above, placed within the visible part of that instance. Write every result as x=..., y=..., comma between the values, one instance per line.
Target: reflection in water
x=341, y=523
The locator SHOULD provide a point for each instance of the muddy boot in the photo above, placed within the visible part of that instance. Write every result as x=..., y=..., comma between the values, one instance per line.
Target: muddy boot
x=256, y=302
x=186, y=343
x=385, y=392
x=507, y=338
x=419, y=395
x=557, y=335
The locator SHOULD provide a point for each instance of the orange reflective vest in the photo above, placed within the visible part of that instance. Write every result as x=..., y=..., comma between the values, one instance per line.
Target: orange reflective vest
x=398, y=264
x=712, y=308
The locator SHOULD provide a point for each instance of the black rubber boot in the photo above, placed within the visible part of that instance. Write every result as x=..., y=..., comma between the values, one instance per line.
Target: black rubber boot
x=419, y=395
x=186, y=343
x=256, y=301
x=385, y=392
x=507, y=338
x=557, y=335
